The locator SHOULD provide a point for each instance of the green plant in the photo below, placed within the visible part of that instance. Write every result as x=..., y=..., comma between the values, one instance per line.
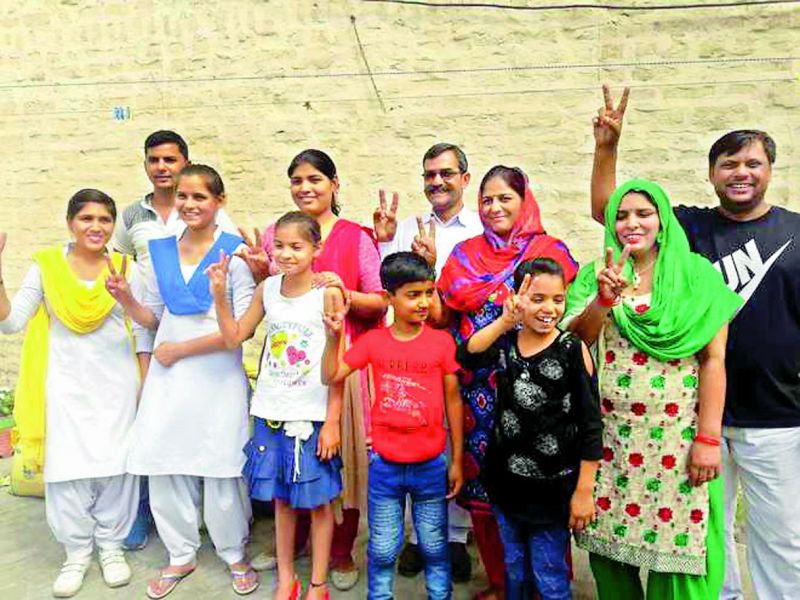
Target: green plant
x=6, y=401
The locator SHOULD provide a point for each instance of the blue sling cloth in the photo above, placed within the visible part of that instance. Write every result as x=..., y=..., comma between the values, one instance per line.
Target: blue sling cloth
x=180, y=297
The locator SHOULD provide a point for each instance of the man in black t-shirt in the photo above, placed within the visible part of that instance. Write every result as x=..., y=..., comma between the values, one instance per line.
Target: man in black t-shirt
x=756, y=247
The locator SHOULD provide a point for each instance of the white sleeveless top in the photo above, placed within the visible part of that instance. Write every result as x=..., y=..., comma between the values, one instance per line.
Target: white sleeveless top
x=289, y=386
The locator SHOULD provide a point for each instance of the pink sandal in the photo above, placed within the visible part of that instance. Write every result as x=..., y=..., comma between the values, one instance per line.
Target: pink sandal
x=168, y=579
x=244, y=579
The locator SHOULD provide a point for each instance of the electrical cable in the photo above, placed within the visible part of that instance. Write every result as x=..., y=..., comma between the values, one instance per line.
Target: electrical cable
x=410, y=72
x=426, y=97
x=583, y=5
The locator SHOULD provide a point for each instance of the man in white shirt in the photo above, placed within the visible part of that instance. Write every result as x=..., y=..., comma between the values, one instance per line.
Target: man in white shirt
x=445, y=176
x=154, y=217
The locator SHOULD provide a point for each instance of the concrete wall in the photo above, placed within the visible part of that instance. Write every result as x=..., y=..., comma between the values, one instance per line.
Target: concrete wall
x=250, y=83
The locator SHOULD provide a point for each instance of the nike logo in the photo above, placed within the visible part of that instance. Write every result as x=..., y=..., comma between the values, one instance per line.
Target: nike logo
x=744, y=269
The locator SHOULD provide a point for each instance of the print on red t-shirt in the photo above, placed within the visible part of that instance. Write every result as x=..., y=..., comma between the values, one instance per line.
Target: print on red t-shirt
x=408, y=412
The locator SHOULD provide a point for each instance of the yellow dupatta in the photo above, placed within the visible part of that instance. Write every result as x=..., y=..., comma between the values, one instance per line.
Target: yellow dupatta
x=80, y=309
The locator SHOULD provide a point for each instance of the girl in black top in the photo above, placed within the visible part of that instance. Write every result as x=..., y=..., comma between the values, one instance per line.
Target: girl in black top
x=543, y=456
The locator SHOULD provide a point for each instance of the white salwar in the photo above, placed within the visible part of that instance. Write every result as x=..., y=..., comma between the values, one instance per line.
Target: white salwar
x=192, y=425
x=91, y=390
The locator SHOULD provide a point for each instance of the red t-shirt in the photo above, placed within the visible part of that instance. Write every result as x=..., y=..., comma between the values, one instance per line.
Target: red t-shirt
x=408, y=412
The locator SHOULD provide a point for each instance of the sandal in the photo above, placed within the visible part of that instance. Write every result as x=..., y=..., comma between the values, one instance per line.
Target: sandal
x=167, y=580
x=244, y=578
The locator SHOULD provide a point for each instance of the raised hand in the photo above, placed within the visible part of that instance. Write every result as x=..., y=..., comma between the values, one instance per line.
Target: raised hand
x=424, y=242
x=218, y=275
x=610, y=281
x=334, y=311
x=254, y=254
x=384, y=220
x=116, y=283
x=608, y=122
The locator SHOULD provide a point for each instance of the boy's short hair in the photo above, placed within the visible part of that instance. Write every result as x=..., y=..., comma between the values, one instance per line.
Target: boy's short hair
x=401, y=268
x=537, y=266
x=164, y=136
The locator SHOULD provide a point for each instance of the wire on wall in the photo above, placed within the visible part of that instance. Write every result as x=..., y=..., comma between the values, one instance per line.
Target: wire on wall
x=585, y=6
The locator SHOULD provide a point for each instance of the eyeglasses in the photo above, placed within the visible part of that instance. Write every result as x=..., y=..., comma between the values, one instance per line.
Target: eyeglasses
x=445, y=174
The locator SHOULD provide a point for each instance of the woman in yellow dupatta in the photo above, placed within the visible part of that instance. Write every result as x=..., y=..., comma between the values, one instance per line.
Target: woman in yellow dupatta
x=78, y=382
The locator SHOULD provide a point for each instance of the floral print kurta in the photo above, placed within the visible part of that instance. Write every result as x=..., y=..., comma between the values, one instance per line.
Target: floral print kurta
x=479, y=392
x=648, y=514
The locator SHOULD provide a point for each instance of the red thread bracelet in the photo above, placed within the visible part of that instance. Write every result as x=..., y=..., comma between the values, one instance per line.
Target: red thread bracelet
x=707, y=439
x=607, y=303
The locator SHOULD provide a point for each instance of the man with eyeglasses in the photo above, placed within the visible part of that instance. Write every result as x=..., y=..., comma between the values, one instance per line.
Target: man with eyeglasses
x=449, y=222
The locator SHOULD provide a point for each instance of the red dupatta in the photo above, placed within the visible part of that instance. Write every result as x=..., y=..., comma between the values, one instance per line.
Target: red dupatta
x=479, y=265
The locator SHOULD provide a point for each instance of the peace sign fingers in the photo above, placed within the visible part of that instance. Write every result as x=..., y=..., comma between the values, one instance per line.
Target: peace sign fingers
x=110, y=264
x=608, y=123
x=623, y=257
x=385, y=219
x=607, y=100
x=420, y=227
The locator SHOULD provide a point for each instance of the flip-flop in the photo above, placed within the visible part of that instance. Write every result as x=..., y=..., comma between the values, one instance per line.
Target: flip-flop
x=166, y=582
x=244, y=579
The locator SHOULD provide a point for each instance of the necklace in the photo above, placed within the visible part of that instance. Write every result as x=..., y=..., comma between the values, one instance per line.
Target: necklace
x=637, y=275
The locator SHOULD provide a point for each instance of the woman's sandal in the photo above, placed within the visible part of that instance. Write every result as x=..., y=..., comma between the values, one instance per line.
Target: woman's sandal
x=244, y=579
x=168, y=578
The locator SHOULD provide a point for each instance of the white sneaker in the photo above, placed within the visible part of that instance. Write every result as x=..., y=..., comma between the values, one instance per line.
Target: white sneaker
x=70, y=580
x=264, y=562
x=116, y=571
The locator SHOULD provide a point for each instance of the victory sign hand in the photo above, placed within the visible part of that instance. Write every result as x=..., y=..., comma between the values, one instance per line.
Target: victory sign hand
x=116, y=283
x=384, y=220
x=608, y=122
x=218, y=275
x=610, y=281
x=424, y=242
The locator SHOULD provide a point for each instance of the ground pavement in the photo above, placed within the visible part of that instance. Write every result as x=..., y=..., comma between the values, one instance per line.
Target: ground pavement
x=30, y=559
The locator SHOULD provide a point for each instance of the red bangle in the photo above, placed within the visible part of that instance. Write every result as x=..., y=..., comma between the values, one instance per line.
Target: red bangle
x=607, y=303
x=707, y=439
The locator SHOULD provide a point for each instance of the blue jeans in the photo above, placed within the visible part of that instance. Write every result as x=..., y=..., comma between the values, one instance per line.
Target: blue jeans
x=534, y=555
x=426, y=483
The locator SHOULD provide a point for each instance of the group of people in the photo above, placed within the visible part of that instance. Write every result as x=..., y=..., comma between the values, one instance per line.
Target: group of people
x=508, y=392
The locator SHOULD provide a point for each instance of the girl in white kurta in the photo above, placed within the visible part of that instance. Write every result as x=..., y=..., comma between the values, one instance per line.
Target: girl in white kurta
x=90, y=384
x=193, y=422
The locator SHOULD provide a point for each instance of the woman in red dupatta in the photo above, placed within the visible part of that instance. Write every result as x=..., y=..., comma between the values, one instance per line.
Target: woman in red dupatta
x=349, y=258
x=476, y=279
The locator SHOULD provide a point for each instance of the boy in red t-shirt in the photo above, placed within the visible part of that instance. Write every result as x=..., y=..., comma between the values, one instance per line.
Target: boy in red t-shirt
x=414, y=367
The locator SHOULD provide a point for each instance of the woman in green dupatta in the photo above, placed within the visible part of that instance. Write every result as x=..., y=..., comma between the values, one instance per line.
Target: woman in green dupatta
x=659, y=315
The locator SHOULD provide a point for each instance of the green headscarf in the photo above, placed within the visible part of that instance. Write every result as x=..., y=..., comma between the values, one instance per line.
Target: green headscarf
x=690, y=301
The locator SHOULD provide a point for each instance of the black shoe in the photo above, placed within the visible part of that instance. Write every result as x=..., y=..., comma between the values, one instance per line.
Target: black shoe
x=460, y=563
x=410, y=562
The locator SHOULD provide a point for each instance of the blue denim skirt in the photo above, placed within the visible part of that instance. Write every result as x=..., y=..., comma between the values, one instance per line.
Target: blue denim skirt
x=271, y=472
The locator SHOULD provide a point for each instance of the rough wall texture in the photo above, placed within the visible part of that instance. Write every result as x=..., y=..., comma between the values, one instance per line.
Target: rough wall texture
x=250, y=83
